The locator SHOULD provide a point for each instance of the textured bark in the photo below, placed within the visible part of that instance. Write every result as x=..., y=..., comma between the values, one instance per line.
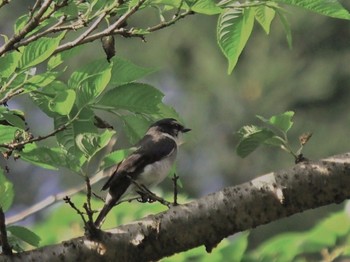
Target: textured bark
x=208, y=220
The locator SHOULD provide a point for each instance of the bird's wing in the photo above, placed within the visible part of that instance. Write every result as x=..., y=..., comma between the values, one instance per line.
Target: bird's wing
x=148, y=151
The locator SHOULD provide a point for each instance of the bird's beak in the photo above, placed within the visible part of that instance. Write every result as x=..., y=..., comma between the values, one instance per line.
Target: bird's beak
x=185, y=130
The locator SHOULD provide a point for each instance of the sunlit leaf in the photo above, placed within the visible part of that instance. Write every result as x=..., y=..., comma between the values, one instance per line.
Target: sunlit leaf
x=282, y=121
x=233, y=31
x=9, y=63
x=91, y=143
x=38, y=51
x=264, y=15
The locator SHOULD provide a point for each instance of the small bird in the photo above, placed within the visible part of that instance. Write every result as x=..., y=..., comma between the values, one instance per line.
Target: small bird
x=147, y=166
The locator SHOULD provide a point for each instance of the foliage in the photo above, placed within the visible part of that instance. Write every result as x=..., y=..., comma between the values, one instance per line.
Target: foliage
x=275, y=134
x=33, y=63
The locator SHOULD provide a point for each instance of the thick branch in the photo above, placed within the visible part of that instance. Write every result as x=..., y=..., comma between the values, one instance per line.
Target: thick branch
x=208, y=220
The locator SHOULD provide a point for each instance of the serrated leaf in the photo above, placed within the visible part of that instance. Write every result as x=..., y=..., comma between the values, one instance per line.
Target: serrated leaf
x=124, y=71
x=330, y=8
x=63, y=102
x=61, y=57
x=207, y=7
x=233, y=31
x=91, y=143
x=264, y=15
x=134, y=97
x=25, y=235
x=39, y=81
x=9, y=63
x=251, y=138
x=282, y=121
x=55, y=99
x=38, y=51
x=87, y=71
x=92, y=87
x=6, y=192
x=135, y=127
x=48, y=158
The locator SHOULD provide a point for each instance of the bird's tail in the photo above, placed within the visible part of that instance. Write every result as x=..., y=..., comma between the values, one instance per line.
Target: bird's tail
x=103, y=213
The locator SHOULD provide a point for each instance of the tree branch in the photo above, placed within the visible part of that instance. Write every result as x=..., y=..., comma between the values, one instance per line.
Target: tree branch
x=33, y=23
x=208, y=220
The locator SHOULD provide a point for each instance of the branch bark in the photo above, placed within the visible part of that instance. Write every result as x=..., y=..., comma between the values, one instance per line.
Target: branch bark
x=208, y=220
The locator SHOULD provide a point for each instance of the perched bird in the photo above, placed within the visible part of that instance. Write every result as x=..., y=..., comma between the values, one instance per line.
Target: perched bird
x=147, y=166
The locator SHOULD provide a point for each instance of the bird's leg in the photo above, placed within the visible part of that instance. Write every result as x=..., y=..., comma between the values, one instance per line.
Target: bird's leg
x=147, y=195
x=175, y=178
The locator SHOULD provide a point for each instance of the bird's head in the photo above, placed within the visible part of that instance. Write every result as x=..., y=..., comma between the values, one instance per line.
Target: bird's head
x=169, y=127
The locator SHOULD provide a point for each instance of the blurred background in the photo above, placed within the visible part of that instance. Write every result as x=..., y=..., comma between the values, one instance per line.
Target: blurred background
x=312, y=79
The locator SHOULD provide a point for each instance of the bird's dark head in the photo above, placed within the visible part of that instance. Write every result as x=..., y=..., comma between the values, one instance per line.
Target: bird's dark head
x=169, y=126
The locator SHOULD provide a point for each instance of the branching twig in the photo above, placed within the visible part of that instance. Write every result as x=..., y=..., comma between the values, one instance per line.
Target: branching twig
x=50, y=200
x=68, y=201
x=6, y=248
x=33, y=23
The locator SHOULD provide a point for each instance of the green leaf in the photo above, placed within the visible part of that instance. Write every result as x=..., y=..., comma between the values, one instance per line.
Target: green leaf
x=9, y=63
x=135, y=126
x=61, y=57
x=264, y=15
x=251, y=138
x=48, y=158
x=233, y=31
x=286, y=26
x=6, y=192
x=63, y=102
x=207, y=7
x=330, y=8
x=123, y=71
x=38, y=51
x=114, y=158
x=87, y=71
x=134, y=97
x=7, y=133
x=55, y=99
x=91, y=143
x=20, y=23
x=14, y=119
x=25, y=235
x=39, y=81
x=282, y=121
x=92, y=87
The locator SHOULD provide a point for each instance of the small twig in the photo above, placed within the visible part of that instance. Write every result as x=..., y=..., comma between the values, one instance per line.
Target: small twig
x=170, y=22
x=175, y=178
x=9, y=95
x=147, y=195
x=33, y=23
x=108, y=31
x=6, y=248
x=68, y=201
x=87, y=205
x=50, y=200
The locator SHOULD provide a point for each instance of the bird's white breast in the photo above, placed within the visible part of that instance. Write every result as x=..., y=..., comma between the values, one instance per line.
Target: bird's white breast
x=155, y=173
